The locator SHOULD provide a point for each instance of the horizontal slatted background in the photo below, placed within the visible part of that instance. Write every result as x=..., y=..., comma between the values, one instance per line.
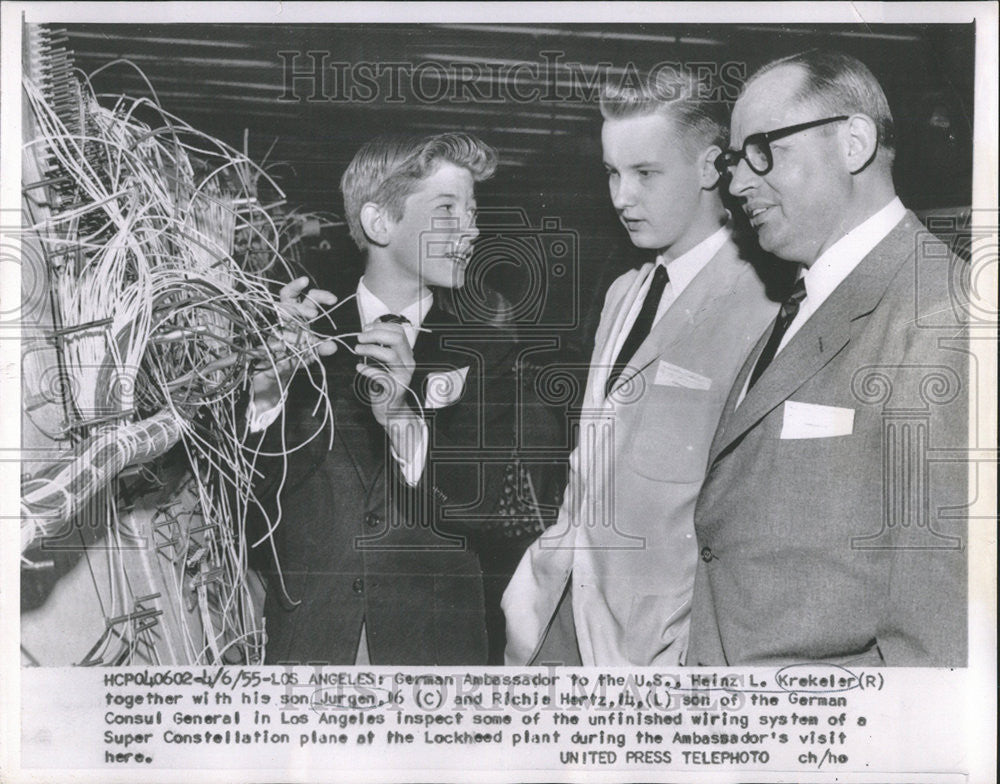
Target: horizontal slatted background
x=230, y=81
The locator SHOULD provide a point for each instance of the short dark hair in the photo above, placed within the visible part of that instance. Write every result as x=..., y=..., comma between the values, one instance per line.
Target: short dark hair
x=841, y=84
x=389, y=168
x=677, y=93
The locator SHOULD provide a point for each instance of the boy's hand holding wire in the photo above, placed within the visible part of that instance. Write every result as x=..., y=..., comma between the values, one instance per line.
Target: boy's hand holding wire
x=390, y=375
x=297, y=345
x=386, y=343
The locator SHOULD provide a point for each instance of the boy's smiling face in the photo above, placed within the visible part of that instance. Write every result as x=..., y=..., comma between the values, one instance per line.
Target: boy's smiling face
x=431, y=244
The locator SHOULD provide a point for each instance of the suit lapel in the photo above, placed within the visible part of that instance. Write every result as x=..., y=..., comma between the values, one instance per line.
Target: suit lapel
x=429, y=353
x=603, y=361
x=819, y=340
x=362, y=437
x=720, y=439
x=687, y=311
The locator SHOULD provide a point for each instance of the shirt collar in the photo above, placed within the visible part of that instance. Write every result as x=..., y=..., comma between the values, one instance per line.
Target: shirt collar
x=685, y=267
x=840, y=259
x=371, y=307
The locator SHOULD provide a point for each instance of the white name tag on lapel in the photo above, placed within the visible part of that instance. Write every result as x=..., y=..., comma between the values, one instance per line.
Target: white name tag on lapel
x=810, y=420
x=668, y=375
x=445, y=387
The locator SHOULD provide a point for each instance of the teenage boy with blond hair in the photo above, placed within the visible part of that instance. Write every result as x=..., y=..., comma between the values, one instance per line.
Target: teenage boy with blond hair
x=370, y=562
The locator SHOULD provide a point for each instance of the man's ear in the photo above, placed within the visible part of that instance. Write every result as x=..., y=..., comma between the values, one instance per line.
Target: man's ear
x=861, y=142
x=707, y=173
x=375, y=223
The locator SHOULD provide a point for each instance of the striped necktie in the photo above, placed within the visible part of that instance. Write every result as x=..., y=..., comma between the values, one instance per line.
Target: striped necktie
x=786, y=315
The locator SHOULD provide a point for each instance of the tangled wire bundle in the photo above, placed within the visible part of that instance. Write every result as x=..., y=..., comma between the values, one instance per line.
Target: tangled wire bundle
x=162, y=263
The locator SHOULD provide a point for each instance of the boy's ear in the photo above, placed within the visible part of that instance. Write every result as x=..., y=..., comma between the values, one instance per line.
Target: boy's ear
x=375, y=223
x=707, y=173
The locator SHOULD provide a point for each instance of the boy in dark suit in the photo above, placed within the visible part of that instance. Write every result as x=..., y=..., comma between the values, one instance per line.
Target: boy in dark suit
x=370, y=561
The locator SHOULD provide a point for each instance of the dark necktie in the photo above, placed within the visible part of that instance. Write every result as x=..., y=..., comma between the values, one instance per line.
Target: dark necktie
x=789, y=308
x=640, y=329
x=369, y=386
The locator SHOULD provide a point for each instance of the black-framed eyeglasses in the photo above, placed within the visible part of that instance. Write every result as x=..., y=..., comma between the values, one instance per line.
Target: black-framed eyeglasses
x=757, y=147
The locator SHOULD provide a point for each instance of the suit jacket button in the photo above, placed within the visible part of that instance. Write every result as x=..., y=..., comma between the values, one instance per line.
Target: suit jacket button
x=372, y=520
x=358, y=586
x=706, y=554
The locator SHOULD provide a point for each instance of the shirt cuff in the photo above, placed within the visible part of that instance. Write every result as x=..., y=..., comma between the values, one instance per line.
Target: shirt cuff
x=409, y=434
x=261, y=419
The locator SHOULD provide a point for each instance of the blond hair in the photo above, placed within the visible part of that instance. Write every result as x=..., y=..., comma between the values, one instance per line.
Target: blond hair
x=688, y=100
x=387, y=169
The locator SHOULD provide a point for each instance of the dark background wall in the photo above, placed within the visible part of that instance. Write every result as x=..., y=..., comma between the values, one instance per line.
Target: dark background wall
x=528, y=90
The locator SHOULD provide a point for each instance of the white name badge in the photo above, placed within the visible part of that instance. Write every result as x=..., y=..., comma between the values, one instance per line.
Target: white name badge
x=675, y=376
x=810, y=420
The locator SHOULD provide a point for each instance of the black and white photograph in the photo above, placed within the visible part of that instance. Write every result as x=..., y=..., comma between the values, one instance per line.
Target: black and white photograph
x=509, y=392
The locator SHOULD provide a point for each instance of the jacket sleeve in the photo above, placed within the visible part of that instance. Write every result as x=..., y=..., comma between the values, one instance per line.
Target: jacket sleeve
x=925, y=427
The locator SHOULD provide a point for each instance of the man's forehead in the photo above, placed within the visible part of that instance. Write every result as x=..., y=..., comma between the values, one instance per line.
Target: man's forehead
x=768, y=102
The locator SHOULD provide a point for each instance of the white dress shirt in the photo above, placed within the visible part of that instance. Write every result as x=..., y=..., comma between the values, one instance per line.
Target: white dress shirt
x=681, y=271
x=836, y=263
x=371, y=308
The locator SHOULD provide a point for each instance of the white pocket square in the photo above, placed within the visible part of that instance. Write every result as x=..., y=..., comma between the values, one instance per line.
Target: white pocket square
x=445, y=387
x=810, y=420
x=675, y=376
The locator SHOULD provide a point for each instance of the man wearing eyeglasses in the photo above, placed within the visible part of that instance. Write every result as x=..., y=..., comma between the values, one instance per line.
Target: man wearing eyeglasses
x=830, y=524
